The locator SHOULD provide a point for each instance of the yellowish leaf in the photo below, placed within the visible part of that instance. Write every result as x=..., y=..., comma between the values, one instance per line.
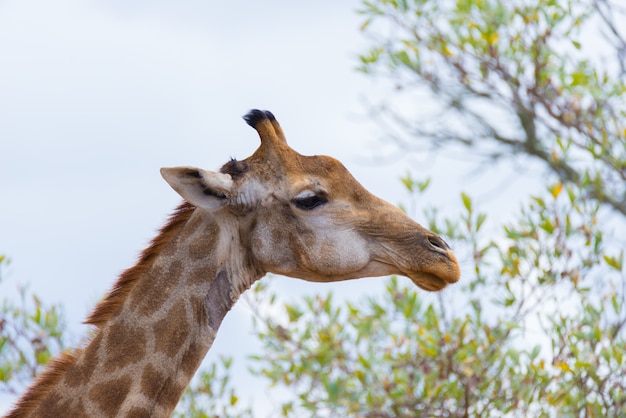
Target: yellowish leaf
x=554, y=155
x=564, y=366
x=556, y=190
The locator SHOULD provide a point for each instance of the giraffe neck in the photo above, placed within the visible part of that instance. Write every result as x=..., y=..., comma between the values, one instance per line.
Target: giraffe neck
x=144, y=356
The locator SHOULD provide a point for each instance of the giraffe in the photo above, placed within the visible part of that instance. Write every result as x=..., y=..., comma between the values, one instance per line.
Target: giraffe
x=276, y=211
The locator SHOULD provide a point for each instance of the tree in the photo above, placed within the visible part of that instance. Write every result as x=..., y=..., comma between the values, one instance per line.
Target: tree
x=30, y=334
x=527, y=63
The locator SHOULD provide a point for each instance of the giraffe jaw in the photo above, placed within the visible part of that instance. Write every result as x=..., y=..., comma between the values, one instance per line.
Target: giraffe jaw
x=428, y=282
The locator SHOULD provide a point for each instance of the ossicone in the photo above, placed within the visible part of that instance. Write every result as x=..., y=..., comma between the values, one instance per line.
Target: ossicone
x=264, y=122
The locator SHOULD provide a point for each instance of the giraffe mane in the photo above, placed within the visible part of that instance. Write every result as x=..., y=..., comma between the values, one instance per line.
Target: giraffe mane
x=127, y=280
x=42, y=385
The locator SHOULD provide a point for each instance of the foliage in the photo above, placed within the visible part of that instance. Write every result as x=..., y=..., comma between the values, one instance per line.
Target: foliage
x=30, y=334
x=211, y=394
x=538, y=78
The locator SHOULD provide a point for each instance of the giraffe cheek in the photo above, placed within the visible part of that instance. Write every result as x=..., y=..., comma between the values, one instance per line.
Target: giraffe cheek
x=338, y=255
x=273, y=249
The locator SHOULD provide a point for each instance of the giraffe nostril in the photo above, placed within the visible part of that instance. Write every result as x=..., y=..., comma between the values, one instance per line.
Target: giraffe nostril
x=438, y=243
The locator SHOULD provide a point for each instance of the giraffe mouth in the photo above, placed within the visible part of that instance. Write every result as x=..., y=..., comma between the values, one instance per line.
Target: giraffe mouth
x=422, y=279
x=428, y=282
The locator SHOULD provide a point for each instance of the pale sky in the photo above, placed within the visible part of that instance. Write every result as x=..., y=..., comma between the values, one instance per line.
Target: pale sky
x=96, y=96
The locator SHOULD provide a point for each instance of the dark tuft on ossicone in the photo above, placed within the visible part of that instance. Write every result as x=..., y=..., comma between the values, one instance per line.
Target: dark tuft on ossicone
x=256, y=116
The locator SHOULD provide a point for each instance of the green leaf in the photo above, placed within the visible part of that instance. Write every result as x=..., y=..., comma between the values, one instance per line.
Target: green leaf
x=423, y=185
x=616, y=263
x=332, y=387
x=43, y=357
x=408, y=182
x=365, y=24
x=293, y=313
x=404, y=58
x=467, y=202
x=480, y=219
x=547, y=226
x=535, y=352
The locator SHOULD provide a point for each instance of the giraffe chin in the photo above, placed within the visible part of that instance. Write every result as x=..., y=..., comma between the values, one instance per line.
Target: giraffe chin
x=428, y=282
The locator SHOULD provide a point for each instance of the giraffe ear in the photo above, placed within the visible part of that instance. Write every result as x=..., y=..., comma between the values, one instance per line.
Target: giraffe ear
x=202, y=188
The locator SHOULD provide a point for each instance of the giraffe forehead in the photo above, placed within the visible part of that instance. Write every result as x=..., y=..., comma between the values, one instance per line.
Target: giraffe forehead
x=291, y=172
x=324, y=173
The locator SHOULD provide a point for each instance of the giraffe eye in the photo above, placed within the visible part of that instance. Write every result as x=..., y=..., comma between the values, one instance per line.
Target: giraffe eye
x=309, y=201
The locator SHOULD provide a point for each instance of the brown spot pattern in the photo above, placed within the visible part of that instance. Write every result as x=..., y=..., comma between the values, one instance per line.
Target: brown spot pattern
x=154, y=290
x=172, y=331
x=171, y=393
x=137, y=412
x=193, y=357
x=201, y=275
x=151, y=382
x=193, y=224
x=157, y=387
x=204, y=244
x=200, y=314
x=80, y=373
x=110, y=395
x=125, y=345
x=54, y=406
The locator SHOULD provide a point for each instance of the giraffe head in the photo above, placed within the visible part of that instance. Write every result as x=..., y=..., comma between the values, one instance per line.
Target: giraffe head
x=307, y=217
